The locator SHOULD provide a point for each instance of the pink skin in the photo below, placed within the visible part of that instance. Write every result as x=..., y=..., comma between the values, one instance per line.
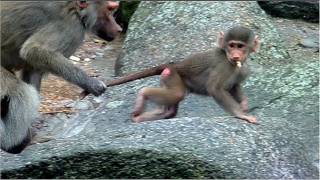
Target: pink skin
x=165, y=72
x=250, y=119
x=139, y=103
x=236, y=55
x=141, y=98
x=112, y=5
x=236, y=51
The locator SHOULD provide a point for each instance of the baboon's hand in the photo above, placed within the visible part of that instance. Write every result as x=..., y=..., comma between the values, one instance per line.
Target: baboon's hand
x=96, y=87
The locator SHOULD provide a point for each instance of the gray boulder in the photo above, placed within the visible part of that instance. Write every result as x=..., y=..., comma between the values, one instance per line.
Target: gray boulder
x=169, y=31
x=306, y=10
x=202, y=141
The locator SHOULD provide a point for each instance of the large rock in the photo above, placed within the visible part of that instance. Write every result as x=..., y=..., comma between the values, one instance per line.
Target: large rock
x=203, y=141
x=169, y=31
x=306, y=10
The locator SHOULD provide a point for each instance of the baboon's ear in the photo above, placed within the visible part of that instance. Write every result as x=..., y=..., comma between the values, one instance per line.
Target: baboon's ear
x=255, y=44
x=220, y=39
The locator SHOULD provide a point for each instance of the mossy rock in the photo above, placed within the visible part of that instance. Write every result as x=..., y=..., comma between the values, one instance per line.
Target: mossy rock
x=124, y=13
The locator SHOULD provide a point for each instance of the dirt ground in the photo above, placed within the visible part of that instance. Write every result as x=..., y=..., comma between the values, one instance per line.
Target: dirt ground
x=96, y=57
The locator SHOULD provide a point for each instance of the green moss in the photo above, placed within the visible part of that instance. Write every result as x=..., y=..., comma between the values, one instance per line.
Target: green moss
x=125, y=11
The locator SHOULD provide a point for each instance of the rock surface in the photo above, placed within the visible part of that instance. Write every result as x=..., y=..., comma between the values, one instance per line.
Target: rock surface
x=307, y=10
x=203, y=141
x=169, y=31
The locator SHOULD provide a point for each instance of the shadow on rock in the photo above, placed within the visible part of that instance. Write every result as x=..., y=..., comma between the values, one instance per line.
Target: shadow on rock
x=121, y=164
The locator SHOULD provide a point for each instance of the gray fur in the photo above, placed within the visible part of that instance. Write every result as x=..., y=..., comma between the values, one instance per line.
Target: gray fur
x=38, y=37
x=23, y=105
x=43, y=43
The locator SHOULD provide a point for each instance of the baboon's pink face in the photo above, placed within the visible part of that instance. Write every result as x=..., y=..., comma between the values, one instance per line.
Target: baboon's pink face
x=106, y=27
